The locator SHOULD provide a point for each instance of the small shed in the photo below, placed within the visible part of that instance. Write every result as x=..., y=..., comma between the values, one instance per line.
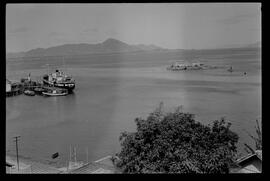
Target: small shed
x=8, y=85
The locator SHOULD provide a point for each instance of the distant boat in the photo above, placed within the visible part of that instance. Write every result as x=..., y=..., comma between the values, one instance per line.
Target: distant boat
x=53, y=91
x=29, y=93
x=59, y=79
x=230, y=69
x=55, y=155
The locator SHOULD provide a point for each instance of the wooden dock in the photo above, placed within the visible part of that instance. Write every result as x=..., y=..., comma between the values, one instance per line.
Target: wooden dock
x=14, y=92
x=19, y=87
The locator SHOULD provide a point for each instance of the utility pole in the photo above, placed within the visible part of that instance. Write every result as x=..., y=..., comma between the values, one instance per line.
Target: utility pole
x=16, y=140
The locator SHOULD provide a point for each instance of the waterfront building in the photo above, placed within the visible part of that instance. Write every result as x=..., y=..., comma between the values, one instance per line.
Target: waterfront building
x=13, y=88
x=8, y=85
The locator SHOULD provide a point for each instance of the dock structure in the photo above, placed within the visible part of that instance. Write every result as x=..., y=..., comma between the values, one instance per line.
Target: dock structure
x=13, y=88
x=14, y=93
x=17, y=88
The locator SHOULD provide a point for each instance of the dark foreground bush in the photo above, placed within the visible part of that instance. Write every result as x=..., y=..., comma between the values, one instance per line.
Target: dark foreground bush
x=174, y=142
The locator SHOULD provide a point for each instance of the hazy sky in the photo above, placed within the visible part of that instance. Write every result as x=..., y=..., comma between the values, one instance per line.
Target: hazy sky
x=169, y=25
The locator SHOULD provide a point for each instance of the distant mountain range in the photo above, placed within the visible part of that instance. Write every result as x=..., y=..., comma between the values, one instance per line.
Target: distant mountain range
x=251, y=45
x=108, y=46
x=255, y=45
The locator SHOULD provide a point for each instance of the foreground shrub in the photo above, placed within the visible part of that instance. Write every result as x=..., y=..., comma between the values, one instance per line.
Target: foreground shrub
x=173, y=142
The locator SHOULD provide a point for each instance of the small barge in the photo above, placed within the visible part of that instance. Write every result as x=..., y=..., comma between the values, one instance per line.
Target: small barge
x=179, y=66
x=29, y=93
x=53, y=91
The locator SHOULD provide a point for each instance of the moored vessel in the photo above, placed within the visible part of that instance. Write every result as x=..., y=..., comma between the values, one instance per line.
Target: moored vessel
x=53, y=91
x=29, y=93
x=59, y=79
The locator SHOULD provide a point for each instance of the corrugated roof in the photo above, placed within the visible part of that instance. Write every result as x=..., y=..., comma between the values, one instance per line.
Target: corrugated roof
x=42, y=168
x=101, y=170
x=105, y=160
x=93, y=168
x=245, y=157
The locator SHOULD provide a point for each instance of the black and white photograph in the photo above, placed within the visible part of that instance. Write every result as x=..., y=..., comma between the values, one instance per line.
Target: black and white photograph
x=133, y=88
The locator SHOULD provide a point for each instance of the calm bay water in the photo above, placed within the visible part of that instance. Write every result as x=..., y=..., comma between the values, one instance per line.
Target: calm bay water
x=112, y=90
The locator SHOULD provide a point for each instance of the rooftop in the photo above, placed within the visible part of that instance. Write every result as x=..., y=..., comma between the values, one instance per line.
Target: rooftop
x=103, y=165
x=257, y=154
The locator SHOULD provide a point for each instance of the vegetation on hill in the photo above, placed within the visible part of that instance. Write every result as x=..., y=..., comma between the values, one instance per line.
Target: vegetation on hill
x=173, y=142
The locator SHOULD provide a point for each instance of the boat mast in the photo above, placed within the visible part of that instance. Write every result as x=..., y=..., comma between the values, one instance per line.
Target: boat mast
x=47, y=69
x=87, y=155
x=75, y=155
x=69, y=153
x=47, y=65
x=68, y=165
x=64, y=64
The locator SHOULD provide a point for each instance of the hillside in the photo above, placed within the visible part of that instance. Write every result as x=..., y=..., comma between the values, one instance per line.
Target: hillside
x=108, y=46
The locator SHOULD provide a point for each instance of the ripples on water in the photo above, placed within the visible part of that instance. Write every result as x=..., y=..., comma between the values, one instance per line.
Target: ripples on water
x=109, y=96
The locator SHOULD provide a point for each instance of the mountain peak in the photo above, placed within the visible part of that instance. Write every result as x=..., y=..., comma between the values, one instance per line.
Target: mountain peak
x=111, y=41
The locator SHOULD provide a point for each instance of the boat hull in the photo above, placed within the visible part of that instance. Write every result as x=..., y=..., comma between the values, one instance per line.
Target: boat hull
x=29, y=93
x=54, y=94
